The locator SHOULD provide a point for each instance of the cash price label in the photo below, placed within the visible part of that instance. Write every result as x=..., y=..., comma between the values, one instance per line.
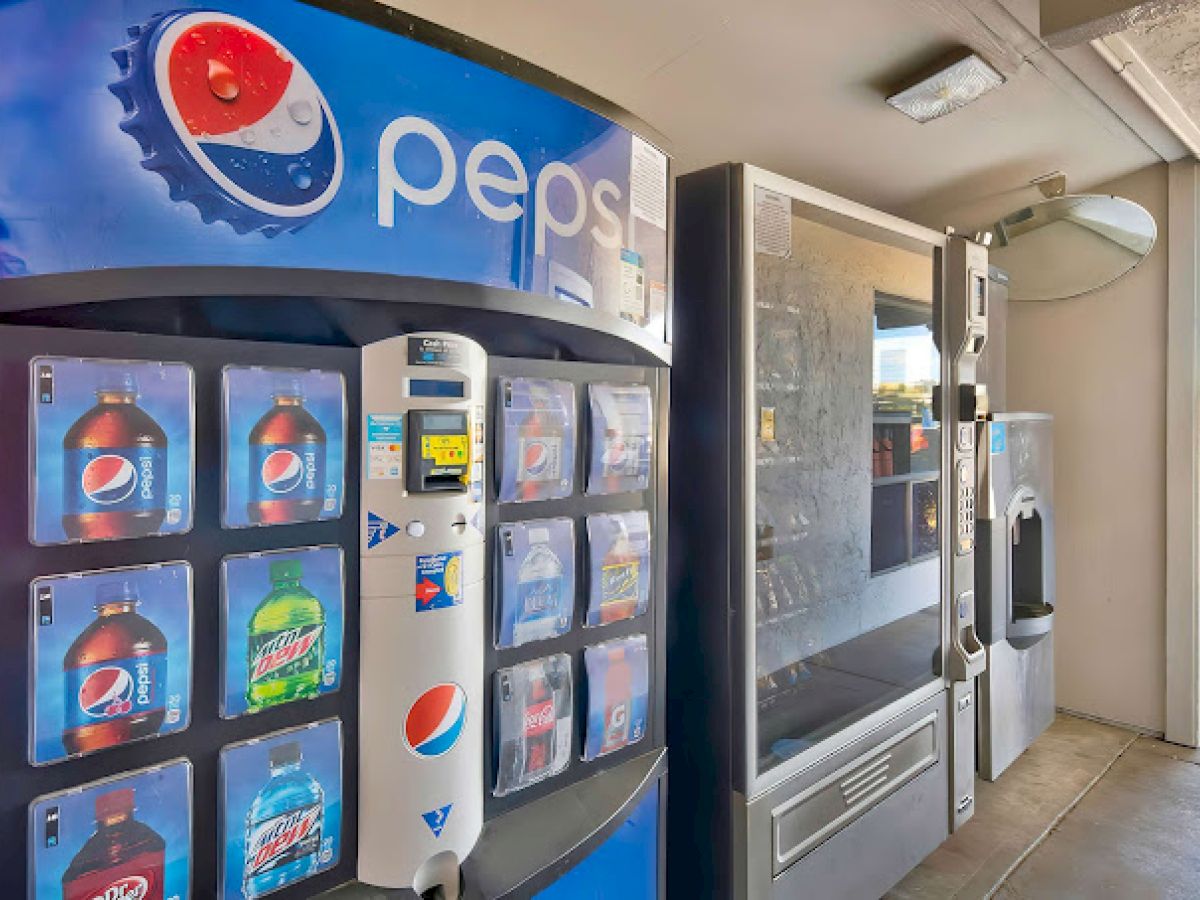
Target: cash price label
x=281, y=654
x=283, y=839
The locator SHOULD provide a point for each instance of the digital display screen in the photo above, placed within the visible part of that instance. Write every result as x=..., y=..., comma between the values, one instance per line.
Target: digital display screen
x=432, y=387
x=444, y=422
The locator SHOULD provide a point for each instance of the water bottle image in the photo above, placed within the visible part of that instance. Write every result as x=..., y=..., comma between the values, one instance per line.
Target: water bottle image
x=539, y=591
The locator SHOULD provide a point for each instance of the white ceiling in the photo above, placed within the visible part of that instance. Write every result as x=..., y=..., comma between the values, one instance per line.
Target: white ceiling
x=797, y=86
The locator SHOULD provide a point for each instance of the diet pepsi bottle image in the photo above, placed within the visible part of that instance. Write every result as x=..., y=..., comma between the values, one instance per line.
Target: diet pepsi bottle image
x=539, y=593
x=114, y=466
x=287, y=460
x=124, y=860
x=286, y=647
x=283, y=825
x=114, y=674
x=540, y=445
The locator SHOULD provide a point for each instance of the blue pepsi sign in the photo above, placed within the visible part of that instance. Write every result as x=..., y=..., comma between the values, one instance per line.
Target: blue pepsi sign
x=277, y=134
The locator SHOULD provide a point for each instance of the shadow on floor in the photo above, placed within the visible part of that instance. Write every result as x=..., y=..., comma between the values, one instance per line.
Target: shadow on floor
x=1089, y=811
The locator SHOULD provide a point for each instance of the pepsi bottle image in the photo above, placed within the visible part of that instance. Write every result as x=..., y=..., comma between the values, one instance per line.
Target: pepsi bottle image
x=124, y=860
x=114, y=675
x=114, y=466
x=283, y=825
x=287, y=460
x=539, y=595
x=540, y=439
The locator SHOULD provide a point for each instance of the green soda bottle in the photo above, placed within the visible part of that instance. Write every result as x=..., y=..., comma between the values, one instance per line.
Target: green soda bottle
x=286, y=650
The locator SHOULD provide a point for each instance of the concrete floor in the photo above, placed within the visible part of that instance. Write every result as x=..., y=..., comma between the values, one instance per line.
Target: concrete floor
x=1089, y=811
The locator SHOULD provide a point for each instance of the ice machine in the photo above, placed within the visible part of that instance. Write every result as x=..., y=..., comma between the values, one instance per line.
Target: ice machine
x=1015, y=584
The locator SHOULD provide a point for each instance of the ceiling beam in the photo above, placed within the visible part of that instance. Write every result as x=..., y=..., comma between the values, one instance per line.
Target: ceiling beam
x=1066, y=23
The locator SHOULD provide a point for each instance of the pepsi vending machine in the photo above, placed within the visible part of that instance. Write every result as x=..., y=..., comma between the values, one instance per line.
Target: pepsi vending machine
x=335, y=359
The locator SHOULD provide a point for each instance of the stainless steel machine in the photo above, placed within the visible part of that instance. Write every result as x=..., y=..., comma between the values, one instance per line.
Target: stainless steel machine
x=1015, y=585
x=822, y=652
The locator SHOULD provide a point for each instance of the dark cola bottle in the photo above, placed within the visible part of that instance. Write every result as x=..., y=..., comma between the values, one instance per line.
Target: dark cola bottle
x=114, y=675
x=123, y=860
x=114, y=466
x=287, y=460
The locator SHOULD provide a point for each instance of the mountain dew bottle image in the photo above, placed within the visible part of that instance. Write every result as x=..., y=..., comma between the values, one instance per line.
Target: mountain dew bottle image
x=283, y=825
x=286, y=650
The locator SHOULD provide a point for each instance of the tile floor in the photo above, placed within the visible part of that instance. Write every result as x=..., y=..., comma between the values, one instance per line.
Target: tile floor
x=1089, y=811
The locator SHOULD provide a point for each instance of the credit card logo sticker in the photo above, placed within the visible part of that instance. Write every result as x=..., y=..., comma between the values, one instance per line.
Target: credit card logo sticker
x=999, y=437
x=232, y=121
x=436, y=819
x=436, y=720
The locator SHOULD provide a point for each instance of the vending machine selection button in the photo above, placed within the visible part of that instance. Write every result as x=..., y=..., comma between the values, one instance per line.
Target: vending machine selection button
x=415, y=528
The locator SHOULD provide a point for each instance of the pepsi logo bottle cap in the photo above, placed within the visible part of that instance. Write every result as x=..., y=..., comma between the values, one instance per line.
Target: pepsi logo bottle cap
x=288, y=386
x=230, y=119
x=117, y=381
x=114, y=592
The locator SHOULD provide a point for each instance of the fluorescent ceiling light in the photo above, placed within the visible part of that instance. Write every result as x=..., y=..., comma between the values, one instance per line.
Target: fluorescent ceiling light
x=947, y=89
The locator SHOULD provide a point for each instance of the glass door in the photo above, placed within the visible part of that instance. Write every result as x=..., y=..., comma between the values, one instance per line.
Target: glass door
x=844, y=482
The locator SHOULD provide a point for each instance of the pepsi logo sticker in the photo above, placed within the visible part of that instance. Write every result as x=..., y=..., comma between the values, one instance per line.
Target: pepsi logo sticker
x=231, y=119
x=436, y=720
x=109, y=479
x=282, y=471
x=106, y=692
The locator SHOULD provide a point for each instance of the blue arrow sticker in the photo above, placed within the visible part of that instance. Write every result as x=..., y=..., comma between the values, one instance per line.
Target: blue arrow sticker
x=379, y=530
x=436, y=819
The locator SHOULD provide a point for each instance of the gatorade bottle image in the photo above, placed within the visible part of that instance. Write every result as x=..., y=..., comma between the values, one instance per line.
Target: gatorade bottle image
x=283, y=825
x=286, y=648
x=540, y=439
x=287, y=460
x=114, y=466
x=123, y=860
x=115, y=675
x=538, y=729
x=539, y=591
x=620, y=573
x=618, y=695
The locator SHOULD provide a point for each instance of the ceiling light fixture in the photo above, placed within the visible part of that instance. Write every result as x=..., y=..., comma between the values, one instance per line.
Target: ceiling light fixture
x=951, y=86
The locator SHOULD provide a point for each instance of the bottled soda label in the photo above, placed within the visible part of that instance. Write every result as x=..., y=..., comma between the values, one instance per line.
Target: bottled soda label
x=619, y=583
x=282, y=840
x=541, y=459
x=115, y=689
x=114, y=479
x=291, y=652
x=294, y=472
x=138, y=879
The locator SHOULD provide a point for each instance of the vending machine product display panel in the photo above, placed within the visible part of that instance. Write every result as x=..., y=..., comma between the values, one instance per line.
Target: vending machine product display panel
x=259, y=269
x=820, y=364
x=110, y=658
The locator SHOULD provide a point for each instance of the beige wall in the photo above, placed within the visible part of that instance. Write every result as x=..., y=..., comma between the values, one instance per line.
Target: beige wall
x=1098, y=363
